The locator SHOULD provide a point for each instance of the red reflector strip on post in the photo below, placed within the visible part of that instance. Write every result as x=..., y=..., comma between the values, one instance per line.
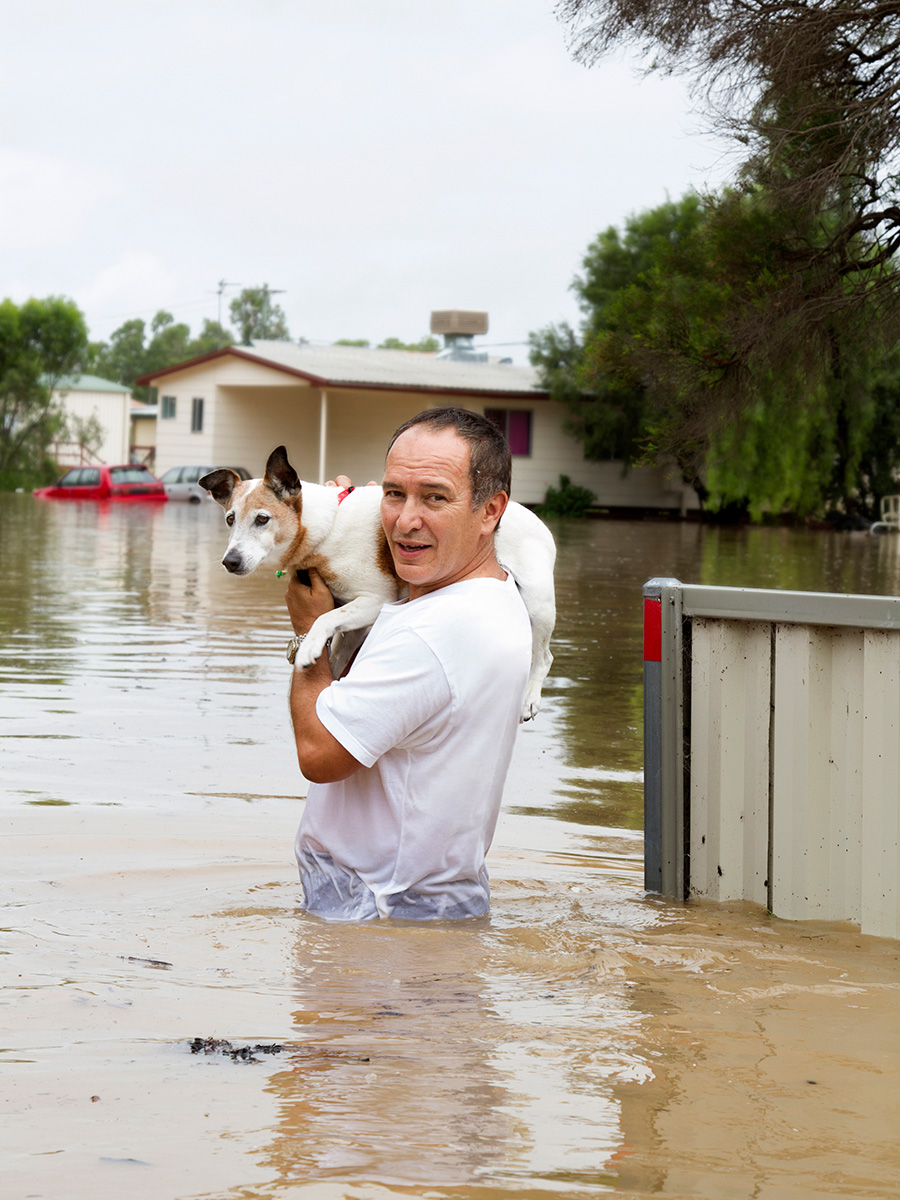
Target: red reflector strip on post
x=653, y=630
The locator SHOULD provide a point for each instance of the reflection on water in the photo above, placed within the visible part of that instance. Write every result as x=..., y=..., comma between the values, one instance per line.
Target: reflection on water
x=101, y=603
x=594, y=691
x=585, y=1040
x=377, y=1008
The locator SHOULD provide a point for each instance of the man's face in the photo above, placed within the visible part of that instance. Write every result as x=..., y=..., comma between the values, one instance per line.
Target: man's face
x=426, y=510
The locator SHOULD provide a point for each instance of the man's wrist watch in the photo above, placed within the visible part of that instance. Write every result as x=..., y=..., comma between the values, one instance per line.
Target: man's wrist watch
x=293, y=646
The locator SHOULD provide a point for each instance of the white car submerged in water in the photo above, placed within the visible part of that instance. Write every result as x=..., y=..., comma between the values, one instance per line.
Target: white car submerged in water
x=181, y=482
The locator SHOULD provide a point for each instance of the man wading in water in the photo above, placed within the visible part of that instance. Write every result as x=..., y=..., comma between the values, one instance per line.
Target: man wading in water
x=409, y=751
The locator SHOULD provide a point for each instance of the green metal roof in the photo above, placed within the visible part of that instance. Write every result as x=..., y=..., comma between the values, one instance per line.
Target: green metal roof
x=88, y=383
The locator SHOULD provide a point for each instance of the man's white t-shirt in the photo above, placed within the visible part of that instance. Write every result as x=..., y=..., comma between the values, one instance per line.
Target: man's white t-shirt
x=430, y=708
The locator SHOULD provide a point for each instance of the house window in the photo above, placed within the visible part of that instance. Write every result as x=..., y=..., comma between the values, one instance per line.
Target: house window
x=515, y=424
x=197, y=414
x=167, y=409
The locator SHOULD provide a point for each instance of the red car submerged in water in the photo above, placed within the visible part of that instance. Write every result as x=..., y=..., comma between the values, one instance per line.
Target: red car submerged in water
x=128, y=482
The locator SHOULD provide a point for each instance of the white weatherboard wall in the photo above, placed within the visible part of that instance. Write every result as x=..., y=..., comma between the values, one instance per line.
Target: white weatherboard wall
x=795, y=768
x=111, y=408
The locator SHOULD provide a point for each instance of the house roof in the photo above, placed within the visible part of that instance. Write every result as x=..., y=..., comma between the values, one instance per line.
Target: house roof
x=361, y=367
x=89, y=383
x=139, y=411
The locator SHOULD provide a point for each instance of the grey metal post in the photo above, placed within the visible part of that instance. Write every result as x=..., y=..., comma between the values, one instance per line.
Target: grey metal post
x=663, y=739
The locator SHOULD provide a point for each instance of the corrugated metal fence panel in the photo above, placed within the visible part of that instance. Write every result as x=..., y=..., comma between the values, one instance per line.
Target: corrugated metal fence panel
x=846, y=769
x=729, y=798
x=880, y=884
x=817, y=773
x=793, y=755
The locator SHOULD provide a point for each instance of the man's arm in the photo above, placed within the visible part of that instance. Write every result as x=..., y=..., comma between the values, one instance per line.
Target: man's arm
x=321, y=756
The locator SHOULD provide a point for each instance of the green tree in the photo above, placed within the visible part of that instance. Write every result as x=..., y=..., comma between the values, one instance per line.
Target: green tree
x=425, y=345
x=169, y=343
x=621, y=409
x=40, y=342
x=129, y=354
x=809, y=91
x=879, y=456
x=669, y=366
x=768, y=408
x=257, y=318
x=122, y=358
x=592, y=374
x=212, y=336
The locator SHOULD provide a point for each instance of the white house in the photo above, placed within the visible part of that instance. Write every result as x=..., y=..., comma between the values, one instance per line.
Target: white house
x=83, y=397
x=335, y=407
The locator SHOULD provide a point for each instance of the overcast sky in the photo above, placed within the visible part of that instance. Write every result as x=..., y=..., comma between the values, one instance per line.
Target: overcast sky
x=371, y=159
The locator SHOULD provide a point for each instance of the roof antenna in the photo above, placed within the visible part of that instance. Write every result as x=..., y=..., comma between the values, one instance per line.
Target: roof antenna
x=223, y=284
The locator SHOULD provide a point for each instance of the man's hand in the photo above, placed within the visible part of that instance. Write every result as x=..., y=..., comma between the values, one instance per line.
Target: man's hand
x=304, y=603
x=344, y=481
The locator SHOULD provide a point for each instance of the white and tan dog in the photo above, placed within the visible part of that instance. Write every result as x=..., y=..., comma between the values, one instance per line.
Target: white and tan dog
x=293, y=525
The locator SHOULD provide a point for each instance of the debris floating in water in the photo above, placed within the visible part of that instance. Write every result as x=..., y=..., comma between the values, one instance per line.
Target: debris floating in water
x=201, y=1045
x=243, y=1053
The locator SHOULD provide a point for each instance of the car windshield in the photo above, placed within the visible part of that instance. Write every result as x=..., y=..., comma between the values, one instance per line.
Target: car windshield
x=130, y=475
x=173, y=475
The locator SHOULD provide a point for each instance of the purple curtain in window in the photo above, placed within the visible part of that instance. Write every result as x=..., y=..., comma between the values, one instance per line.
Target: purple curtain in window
x=518, y=431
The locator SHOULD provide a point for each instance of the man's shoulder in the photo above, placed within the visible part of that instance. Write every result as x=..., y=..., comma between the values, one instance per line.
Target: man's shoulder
x=479, y=594
x=472, y=609
x=466, y=633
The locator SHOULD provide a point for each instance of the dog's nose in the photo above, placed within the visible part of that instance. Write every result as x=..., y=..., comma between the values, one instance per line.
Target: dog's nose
x=232, y=562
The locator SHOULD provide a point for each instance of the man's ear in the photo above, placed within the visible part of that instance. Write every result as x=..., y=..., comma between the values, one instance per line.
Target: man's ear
x=221, y=484
x=281, y=476
x=493, y=511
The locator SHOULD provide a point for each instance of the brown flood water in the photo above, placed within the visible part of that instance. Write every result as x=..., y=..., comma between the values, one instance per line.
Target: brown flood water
x=586, y=1040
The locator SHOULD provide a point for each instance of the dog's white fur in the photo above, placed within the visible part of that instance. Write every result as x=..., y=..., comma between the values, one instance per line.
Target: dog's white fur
x=294, y=525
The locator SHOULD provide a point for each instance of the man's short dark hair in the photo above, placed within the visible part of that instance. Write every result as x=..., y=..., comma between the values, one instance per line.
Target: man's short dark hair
x=490, y=462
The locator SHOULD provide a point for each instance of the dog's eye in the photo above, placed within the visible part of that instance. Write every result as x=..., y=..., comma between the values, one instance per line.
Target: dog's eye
x=262, y=519
x=229, y=518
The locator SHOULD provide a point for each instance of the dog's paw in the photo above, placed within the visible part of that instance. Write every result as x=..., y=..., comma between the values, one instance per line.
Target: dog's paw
x=310, y=649
x=531, y=706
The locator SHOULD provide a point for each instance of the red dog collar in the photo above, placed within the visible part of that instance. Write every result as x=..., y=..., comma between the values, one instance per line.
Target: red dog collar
x=345, y=493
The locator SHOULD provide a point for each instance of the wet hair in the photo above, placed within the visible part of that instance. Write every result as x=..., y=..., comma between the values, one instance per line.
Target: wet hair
x=490, y=462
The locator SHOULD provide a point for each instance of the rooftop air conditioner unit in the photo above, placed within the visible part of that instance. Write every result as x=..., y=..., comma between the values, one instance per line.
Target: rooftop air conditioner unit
x=459, y=327
x=457, y=321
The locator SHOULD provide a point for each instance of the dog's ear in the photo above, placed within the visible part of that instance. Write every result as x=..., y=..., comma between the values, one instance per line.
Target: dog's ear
x=281, y=476
x=221, y=484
